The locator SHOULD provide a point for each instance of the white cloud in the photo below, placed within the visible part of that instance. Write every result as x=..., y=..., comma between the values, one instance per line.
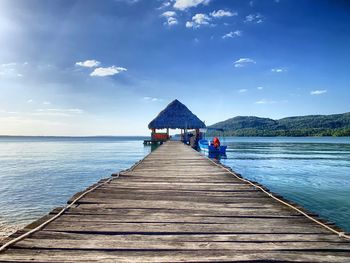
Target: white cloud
x=185, y=4
x=12, y=112
x=29, y=101
x=189, y=24
x=198, y=20
x=164, y=5
x=72, y=110
x=254, y=18
x=278, y=70
x=170, y=18
x=318, y=92
x=9, y=65
x=151, y=99
x=10, y=70
x=130, y=2
x=232, y=34
x=201, y=19
x=88, y=63
x=9, y=112
x=265, y=101
x=243, y=62
x=47, y=103
x=169, y=14
x=260, y=88
x=222, y=13
x=171, y=21
x=58, y=112
x=109, y=71
x=242, y=90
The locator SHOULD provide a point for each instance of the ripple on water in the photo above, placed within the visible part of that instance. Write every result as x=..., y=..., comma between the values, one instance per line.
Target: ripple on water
x=39, y=174
x=314, y=172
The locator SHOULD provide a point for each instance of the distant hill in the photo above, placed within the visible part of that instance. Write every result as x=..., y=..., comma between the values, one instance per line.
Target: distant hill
x=311, y=125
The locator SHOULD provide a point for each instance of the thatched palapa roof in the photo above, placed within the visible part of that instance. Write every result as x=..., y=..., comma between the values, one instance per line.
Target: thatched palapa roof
x=176, y=116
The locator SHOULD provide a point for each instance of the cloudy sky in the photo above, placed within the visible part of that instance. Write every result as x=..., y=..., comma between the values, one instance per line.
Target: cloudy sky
x=85, y=67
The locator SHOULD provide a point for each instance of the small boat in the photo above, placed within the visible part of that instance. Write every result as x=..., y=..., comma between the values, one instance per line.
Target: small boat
x=206, y=147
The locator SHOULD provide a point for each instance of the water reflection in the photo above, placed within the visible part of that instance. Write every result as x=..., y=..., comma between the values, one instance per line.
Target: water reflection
x=216, y=156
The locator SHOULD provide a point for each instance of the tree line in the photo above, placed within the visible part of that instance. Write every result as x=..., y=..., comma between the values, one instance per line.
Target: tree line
x=313, y=125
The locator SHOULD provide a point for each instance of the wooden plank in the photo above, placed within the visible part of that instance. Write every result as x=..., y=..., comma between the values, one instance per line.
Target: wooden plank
x=145, y=192
x=267, y=227
x=92, y=244
x=110, y=203
x=192, y=179
x=129, y=188
x=75, y=219
x=315, y=237
x=37, y=255
x=187, y=210
x=180, y=175
x=168, y=185
x=112, y=198
x=186, y=187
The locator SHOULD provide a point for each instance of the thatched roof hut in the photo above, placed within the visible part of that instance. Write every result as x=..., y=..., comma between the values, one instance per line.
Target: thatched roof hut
x=176, y=116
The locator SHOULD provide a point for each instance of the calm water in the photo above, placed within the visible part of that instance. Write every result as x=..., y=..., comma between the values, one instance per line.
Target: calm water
x=39, y=174
x=314, y=172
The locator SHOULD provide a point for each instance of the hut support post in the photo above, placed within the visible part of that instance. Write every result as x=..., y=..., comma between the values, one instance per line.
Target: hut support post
x=153, y=133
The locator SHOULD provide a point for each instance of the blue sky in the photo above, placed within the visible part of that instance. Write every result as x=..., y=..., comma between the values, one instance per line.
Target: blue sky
x=108, y=67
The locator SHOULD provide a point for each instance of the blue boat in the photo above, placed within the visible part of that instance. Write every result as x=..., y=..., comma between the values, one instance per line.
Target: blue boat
x=206, y=147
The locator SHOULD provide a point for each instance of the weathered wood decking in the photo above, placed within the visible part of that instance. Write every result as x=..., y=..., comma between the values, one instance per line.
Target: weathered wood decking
x=178, y=206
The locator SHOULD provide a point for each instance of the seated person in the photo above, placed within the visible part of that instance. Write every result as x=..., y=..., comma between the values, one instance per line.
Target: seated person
x=216, y=142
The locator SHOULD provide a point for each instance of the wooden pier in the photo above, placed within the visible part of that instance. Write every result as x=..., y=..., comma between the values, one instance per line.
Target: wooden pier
x=177, y=206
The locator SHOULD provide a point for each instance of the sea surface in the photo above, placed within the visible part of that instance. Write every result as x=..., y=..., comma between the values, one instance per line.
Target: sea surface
x=38, y=174
x=313, y=172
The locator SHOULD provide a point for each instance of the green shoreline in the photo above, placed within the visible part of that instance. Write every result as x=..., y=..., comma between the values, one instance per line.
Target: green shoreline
x=282, y=133
x=337, y=125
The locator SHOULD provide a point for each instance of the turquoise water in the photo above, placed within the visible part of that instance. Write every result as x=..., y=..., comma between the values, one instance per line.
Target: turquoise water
x=39, y=174
x=313, y=172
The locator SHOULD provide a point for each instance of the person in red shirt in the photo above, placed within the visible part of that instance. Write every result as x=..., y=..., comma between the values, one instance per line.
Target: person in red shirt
x=216, y=142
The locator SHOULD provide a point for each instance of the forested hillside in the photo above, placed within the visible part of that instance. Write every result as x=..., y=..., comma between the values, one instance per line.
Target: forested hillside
x=311, y=125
